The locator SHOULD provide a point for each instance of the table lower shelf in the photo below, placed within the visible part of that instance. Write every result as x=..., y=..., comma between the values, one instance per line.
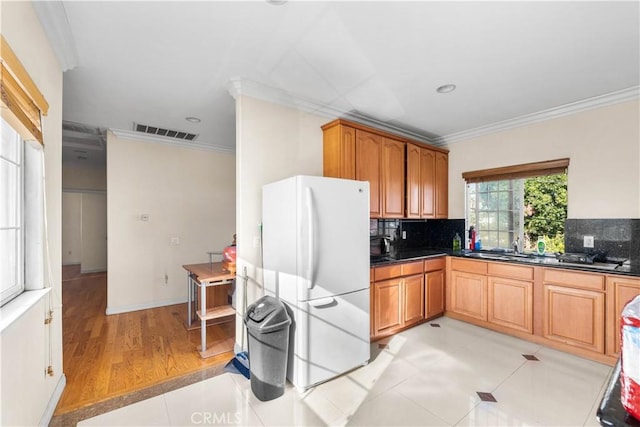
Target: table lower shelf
x=221, y=346
x=216, y=312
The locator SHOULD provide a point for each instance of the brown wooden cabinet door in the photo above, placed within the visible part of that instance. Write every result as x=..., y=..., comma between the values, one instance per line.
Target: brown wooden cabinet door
x=388, y=306
x=434, y=293
x=620, y=290
x=339, y=152
x=442, y=185
x=469, y=294
x=510, y=303
x=574, y=316
x=368, y=166
x=392, y=178
x=413, y=299
x=414, y=186
x=427, y=183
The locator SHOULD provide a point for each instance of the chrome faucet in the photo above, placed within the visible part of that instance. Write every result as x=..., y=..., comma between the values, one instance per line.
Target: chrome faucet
x=515, y=245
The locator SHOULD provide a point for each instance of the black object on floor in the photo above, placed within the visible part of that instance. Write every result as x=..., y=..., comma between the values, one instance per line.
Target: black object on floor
x=531, y=357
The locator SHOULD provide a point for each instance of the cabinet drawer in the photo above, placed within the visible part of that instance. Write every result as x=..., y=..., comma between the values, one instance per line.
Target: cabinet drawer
x=398, y=270
x=510, y=270
x=434, y=264
x=469, y=266
x=574, y=279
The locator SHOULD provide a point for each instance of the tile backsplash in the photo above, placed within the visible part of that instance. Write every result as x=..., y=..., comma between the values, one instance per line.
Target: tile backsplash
x=421, y=234
x=619, y=238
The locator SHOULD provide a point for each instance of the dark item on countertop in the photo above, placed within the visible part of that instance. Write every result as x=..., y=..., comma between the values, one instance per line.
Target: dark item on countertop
x=379, y=245
x=611, y=413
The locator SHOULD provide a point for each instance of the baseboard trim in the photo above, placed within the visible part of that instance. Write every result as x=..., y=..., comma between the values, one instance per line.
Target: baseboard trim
x=143, y=306
x=94, y=270
x=53, y=401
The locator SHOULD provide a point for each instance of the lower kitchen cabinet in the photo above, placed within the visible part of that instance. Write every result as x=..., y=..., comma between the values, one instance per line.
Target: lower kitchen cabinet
x=511, y=303
x=620, y=290
x=574, y=316
x=573, y=308
x=413, y=299
x=468, y=294
x=398, y=298
x=434, y=287
x=387, y=306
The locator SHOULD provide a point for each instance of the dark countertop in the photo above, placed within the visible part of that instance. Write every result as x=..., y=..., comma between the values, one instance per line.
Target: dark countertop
x=627, y=269
x=611, y=412
x=410, y=255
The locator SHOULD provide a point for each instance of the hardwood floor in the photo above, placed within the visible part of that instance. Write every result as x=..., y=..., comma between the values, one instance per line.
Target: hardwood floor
x=109, y=356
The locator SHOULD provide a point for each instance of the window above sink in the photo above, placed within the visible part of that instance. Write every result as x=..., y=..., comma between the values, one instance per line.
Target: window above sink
x=514, y=206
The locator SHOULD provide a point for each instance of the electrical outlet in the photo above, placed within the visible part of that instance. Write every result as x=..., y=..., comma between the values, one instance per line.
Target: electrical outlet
x=256, y=242
x=404, y=234
x=175, y=241
x=588, y=242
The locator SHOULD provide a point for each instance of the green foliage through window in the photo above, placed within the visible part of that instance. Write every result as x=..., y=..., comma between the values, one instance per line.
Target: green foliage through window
x=519, y=211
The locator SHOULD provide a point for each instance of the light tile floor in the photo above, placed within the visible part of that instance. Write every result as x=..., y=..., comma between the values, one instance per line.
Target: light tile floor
x=425, y=376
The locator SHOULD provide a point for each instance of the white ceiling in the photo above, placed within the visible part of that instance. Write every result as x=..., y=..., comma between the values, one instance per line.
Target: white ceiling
x=158, y=62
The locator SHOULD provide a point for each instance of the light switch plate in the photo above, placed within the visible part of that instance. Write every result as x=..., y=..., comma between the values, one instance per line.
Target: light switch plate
x=588, y=242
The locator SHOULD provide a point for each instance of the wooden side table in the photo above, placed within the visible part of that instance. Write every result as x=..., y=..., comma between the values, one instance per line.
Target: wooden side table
x=203, y=276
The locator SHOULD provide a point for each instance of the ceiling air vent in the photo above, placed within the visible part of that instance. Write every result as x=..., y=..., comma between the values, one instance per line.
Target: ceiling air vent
x=169, y=133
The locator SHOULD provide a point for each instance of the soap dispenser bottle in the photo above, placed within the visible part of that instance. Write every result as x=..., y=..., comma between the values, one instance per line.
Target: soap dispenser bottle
x=457, y=243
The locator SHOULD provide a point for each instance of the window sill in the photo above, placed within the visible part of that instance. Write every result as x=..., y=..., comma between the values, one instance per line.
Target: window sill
x=15, y=308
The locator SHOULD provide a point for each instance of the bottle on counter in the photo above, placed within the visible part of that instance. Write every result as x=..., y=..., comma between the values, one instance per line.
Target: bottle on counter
x=541, y=246
x=472, y=238
x=457, y=243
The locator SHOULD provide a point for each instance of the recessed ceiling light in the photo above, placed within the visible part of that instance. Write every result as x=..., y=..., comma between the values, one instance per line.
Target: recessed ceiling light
x=276, y=2
x=192, y=119
x=446, y=88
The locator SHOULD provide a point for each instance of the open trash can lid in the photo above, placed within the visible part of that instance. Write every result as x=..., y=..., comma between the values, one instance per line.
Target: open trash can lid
x=267, y=313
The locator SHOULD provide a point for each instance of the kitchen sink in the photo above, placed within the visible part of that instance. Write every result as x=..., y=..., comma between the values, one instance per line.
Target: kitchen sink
x=510, y=256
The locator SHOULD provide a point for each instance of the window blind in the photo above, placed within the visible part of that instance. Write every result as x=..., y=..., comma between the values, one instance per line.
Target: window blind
x=20, y=94
x=528, y=170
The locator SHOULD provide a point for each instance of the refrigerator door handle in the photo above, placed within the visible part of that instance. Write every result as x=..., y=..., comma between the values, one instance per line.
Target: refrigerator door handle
x=322, y=302
x=311, y=248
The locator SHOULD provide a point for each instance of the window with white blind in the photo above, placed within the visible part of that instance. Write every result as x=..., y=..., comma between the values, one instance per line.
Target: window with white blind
x=11, y=214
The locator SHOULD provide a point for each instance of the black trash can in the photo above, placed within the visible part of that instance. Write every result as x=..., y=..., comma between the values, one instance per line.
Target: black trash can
x=268, y=323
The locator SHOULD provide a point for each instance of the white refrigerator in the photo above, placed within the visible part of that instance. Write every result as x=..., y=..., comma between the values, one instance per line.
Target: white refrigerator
x=315, y=234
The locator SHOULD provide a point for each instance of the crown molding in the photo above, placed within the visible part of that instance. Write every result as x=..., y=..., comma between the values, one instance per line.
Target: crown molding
x=240, y=86
x=138, y=136
x=540, y=116
x=53, y=18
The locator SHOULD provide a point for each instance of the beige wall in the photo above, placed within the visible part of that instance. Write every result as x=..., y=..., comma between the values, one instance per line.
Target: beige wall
x=71, y=228
x=76, y=177
x=28, y=396
x=187, y=193
x=603, y=145
x=272, y=142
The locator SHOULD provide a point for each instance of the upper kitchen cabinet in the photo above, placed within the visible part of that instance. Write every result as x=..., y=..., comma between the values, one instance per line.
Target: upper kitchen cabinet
x=339, y=151
x=368, y=162
x=407, y=179
x=392, y=178
x=353, y=151
x=427, y=182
